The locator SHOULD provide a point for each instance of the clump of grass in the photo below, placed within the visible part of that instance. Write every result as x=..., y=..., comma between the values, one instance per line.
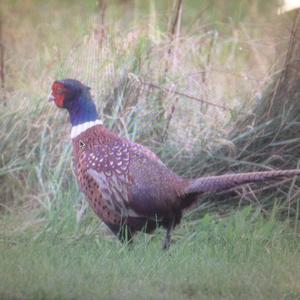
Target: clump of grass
x=266, y=138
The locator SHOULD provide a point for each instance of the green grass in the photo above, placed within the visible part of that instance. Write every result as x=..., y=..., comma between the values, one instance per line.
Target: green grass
x=241, y=257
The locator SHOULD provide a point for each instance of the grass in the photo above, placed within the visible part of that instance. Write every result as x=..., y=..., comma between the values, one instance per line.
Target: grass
x=51, y=245
x=243, y=256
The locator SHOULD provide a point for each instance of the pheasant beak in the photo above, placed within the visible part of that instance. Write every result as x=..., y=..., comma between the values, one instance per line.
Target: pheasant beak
x=50, y=97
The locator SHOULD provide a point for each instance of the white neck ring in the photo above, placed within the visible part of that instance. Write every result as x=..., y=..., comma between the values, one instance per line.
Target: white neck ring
x=78, y=129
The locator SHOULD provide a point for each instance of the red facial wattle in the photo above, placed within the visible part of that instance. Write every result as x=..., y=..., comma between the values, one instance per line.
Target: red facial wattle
x=59, y=100
x=58, y=92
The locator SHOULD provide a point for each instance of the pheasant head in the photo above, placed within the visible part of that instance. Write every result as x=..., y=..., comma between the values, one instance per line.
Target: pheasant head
x=74, y=96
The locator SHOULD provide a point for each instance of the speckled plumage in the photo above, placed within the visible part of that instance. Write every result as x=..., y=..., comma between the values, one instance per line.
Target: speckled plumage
x=122, y=181
x=126, y=184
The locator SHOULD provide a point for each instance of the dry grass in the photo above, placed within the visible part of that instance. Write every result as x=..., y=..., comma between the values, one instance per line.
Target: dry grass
x=44, y=41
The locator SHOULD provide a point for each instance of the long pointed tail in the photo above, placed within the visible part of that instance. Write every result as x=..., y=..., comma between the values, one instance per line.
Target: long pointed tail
x=225, y=182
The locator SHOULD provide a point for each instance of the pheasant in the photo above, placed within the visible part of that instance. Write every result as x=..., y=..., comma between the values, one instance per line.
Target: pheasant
x=126, y=184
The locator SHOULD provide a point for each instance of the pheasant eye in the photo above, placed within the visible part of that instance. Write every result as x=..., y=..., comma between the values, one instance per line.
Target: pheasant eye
x=59, y=90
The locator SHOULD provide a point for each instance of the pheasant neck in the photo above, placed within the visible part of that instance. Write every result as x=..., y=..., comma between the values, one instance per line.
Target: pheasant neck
x=83, y=110
x=83, y=115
